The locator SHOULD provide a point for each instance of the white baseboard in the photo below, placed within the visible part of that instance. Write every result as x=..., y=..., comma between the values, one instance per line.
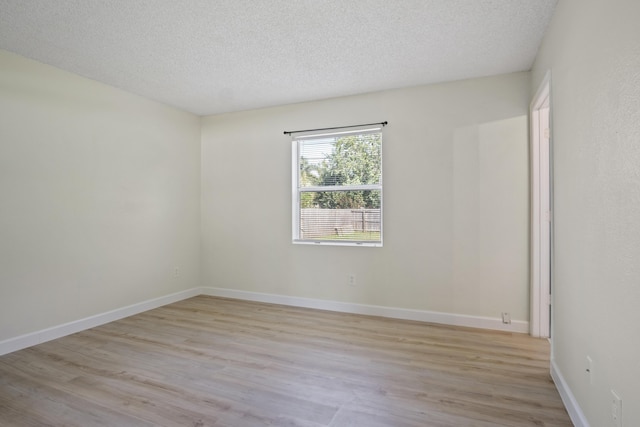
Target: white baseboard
x=518, y=326
x=38, y=337
x=570, y=403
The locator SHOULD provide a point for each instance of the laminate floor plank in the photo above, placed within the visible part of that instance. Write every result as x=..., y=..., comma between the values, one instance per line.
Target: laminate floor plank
x=210, y=361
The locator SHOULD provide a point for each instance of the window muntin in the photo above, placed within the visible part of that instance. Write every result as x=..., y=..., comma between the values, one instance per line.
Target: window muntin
x=337, y=187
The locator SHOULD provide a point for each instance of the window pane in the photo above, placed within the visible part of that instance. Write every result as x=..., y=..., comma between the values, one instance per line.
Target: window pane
x=340, y=215
x=341, y=160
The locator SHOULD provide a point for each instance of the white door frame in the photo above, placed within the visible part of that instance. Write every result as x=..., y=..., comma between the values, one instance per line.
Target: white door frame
x=541, y=200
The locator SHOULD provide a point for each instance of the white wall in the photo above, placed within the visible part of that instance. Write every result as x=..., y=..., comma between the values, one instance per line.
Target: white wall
x=99, y=197
x=455, y=201
x=593, y=52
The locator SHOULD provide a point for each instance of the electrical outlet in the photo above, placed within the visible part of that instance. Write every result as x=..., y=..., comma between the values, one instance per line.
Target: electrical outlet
x=176, y=272
x=506, y=318
x=616, y=409
x=352, y=280
x=589, y=369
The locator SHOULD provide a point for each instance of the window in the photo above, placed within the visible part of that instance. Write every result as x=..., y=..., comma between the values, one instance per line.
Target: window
x=337, y=187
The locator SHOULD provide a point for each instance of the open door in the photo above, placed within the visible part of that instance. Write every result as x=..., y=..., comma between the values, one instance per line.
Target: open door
x=541, y=212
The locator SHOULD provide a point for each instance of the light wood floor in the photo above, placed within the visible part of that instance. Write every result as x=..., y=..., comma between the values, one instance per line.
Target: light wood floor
x=218, y=362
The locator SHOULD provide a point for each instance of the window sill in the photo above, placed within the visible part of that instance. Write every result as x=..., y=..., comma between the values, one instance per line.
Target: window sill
x=337, y=243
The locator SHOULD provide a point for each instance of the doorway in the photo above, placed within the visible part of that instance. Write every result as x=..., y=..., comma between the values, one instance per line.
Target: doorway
x=541, y=211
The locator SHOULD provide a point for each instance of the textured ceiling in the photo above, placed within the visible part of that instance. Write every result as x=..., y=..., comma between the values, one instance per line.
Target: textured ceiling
x=210, y=57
